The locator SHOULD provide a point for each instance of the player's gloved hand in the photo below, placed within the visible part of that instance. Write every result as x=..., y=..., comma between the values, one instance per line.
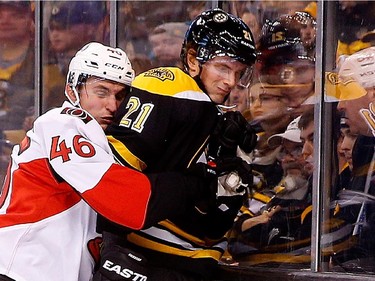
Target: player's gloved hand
x=203, y=170
x=231, y=184
x=234, y=173
x=231, y=131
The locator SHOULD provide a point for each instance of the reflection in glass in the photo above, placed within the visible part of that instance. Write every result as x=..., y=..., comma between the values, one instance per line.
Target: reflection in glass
x=70, y=25
x=153, y=36
x=274, y=226
x=17, y=59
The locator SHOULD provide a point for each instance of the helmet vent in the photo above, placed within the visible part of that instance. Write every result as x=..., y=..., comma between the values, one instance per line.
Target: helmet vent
x=114, y=57
x=92, y=64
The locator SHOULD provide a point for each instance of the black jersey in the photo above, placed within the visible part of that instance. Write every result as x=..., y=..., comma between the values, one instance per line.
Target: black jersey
x=164, y=125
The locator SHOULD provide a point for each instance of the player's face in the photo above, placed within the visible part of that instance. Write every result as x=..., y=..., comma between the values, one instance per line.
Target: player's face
x=220, y=75
x=101, y=98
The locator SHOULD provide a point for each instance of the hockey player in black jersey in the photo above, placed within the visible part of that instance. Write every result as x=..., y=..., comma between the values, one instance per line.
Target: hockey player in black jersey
x=172, y=121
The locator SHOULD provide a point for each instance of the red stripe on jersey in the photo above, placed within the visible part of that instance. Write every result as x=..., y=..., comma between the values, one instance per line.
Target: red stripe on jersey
x=121, y=196
x=36, y=195
x=5, y=189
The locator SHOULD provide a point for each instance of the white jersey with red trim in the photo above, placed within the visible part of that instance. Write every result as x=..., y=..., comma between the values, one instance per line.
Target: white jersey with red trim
x=62, y=167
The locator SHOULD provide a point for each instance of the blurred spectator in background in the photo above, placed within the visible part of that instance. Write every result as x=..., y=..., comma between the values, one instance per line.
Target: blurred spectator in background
x=141, y=63
x=268, y=111
x=72, y=24
x=306, y=125
x=290, y=154
x=238, y=100
x=134, y=35
x=271, y=223
x=194, y=8
x=253, y=22
x=17, y=59
x=134, y=29
x=166, y=41
x=345, y=144
x=284, y=63
x=137, y=24
x=354, y=19
x=311, y=8
x=307, y=32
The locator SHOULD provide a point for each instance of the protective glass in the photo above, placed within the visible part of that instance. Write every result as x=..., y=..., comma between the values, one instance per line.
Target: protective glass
x=294, y=152
x=228, y=68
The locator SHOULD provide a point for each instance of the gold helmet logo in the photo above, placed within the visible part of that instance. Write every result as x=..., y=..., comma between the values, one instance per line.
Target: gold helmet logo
x=287, y=74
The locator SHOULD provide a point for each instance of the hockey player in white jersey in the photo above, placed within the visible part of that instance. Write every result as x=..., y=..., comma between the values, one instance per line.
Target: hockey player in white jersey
x=63, y=173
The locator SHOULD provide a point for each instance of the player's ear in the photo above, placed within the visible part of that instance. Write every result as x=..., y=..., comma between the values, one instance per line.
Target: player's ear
x=193, y=63
x=69, y=92
x=372, y=94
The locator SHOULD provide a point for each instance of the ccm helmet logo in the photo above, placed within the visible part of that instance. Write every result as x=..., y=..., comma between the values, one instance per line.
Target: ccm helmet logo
x=367, y=73
x=114, y=66
x=124, y=272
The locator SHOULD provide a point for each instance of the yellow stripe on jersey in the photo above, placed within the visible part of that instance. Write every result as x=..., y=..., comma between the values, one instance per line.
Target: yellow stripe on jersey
x=261, y=197
x=305, y=212
x=275, y=257
x=164, y=248
x=126, y=154
x=169, y=81
x=175, y=229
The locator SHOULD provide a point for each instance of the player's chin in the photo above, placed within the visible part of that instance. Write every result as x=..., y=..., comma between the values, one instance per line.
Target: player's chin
x=105, y=122
x=104, y=126
x=218, y=98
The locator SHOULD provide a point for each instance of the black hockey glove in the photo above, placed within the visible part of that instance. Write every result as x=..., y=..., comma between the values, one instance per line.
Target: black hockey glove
x=228, y=179
x=235, y=174
x=231, y=131
x=238, y=173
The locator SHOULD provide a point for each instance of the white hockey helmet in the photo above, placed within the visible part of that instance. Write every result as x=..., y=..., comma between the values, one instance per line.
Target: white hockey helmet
x=359, y=66
x=96, y=59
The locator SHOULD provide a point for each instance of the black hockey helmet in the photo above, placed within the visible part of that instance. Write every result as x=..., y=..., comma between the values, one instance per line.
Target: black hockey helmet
x=280, y=42
x=282, y=57
x=217, y=33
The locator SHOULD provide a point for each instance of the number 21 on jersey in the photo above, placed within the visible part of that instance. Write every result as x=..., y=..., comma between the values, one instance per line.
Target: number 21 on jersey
x=140, y=111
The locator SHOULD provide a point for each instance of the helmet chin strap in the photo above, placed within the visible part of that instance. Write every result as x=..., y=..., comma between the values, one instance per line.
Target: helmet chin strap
x=198, y=79
x=76, y=94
